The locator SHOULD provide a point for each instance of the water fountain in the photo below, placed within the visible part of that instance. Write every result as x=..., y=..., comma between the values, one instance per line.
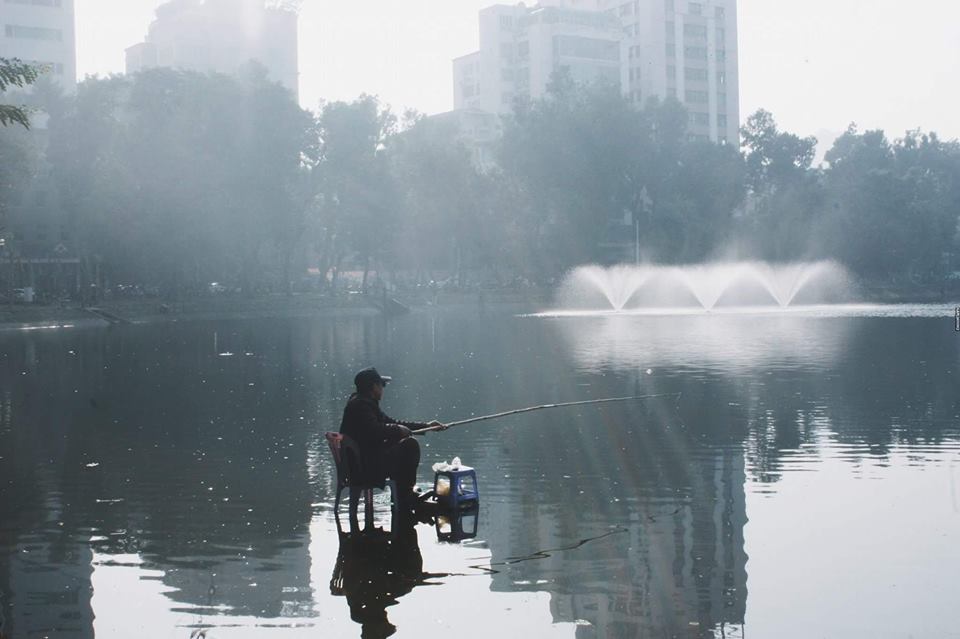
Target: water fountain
x=704, y=286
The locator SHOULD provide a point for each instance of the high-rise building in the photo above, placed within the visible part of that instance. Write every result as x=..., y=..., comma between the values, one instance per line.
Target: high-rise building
x=221, y=36
x=687, y=50
x=521, y=48
x=41, y=32
x=662, y=48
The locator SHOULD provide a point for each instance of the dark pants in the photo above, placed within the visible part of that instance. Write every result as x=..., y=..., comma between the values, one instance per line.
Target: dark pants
x=401, y=460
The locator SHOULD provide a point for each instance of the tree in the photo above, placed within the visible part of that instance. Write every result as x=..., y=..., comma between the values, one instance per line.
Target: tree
x=774, y=159
x=356, y=197
x=180, y=179
x=445, y=199
x=893, y=207
x=591, y=171
x=571, y=155
x=784, y=193
x=15, y=73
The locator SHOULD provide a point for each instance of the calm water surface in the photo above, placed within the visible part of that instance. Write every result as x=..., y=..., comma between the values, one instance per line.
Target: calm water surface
x=158, y=480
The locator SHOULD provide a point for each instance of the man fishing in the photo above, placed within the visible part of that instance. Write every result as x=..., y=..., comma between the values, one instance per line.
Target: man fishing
x=386, y=444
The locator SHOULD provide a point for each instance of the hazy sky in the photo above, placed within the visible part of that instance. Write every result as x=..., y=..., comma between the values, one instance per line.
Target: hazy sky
x=890, y=64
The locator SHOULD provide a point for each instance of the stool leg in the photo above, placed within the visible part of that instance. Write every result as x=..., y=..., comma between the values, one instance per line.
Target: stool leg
x=336, y=501
x=392, y=487
x=354, y=499
x=368, y=507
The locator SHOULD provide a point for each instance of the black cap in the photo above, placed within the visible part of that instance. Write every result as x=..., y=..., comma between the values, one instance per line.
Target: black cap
x=368, y=377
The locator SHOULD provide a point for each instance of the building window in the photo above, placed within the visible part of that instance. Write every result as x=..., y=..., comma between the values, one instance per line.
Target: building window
x=695, y=53
x=722, y=121
x=695, y=31
x=506, y=75
x=669, y=5
x=671, y=92
x=506, y=51
x=699, y=119
x=721, y=78
x=523, y=50
x=626, y=9
x=33, y=33
x=506, y=22
x=721, y=34
x=671, y=50
x=588, y=48
x=670, y=29
x=721, y=13
x=695, y=8
x=671, y=73
x=522, y=77
x=722, y=98
x=697, y=97
x=695, y=75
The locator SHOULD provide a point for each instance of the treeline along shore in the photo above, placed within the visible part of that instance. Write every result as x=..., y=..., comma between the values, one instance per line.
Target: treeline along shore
x=180, y=187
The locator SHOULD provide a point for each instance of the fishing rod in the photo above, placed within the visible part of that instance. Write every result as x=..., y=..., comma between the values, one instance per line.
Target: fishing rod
x=530, y=409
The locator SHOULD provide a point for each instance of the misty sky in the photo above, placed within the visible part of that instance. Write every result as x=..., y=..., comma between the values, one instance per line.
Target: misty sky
x=882, y=63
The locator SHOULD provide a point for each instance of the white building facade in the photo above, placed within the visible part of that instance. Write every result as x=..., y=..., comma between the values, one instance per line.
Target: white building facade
x=686, y=50
x=651, y=48
x=221, y=36
x=41, y=32
x=521, y=48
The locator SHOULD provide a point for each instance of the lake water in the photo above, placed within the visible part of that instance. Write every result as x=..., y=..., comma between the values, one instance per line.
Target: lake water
x=797, y=477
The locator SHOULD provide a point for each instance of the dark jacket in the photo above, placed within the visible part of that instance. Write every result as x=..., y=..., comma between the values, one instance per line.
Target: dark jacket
x=374, y=431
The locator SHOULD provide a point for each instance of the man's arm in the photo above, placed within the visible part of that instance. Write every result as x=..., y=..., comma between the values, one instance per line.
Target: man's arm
x=411, y=428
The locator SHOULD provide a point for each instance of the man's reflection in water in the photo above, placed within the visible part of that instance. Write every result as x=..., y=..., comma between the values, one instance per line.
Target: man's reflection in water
x=374, y=569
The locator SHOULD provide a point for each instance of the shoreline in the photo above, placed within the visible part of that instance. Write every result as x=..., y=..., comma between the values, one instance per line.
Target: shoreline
x=146, y=311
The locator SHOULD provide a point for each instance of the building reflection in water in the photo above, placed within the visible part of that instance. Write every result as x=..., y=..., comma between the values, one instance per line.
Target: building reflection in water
x=675, y=566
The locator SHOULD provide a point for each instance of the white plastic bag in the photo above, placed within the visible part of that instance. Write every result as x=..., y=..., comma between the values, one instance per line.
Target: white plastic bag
x=442, y=466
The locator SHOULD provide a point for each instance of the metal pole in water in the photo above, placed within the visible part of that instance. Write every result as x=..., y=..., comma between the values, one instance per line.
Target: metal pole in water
x=636, y=245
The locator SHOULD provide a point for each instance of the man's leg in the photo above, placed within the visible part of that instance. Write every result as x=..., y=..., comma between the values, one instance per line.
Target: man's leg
x=403, y=458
